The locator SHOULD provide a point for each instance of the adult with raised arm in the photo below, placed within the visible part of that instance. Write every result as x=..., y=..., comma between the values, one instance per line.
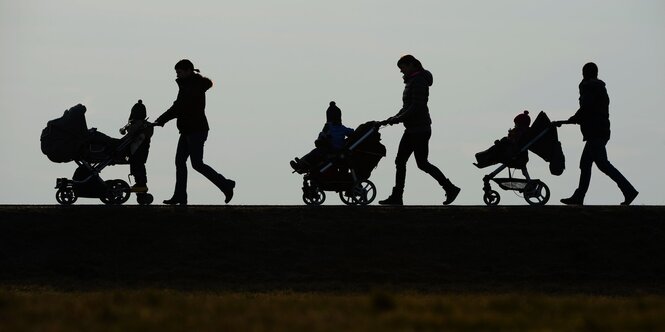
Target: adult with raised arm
x=594, y=120
x=189, y=110
x=415, y=117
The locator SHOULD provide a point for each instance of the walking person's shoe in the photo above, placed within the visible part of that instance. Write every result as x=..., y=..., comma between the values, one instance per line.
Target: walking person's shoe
x=394, y=199
x=451, y=193
x=227, y=189
x=573, y=200
x=630, y=197
x=175, y=201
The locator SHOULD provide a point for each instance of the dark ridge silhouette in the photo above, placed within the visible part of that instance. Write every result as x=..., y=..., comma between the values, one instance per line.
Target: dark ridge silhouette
x=599, y=249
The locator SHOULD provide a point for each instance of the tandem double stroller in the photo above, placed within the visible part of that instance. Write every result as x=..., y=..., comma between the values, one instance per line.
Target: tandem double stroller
x=348, y=171
x=68, y=138
x=540, y=138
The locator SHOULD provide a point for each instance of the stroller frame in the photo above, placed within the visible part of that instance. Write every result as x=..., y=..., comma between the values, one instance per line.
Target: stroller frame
x=91, y=185
x=534, y=191
x=352, y=190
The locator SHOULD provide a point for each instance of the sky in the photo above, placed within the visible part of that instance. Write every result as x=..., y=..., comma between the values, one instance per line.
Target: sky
x=277, y=64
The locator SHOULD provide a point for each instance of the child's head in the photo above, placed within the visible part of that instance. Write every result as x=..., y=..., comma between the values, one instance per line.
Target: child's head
x=522, y=120
x=138, y=111
x=333, y=114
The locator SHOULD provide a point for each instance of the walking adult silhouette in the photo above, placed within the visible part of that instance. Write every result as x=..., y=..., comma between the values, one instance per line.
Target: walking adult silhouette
x=415, y=116
x=593, y=118
x=189, y=110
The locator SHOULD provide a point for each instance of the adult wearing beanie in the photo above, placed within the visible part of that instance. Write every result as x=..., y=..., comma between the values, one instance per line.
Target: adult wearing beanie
x=189, y=110
x=417, y=123
x=594, y=120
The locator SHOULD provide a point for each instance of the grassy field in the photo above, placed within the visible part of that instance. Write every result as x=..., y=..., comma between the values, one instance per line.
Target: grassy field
x=163, y=310
x=201, y=268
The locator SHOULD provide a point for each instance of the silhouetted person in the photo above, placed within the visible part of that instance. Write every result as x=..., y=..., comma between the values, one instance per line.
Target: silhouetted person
x=593, y=118
x=330, y=141
x=140, y=146
x=189, y=109
x=417, y=123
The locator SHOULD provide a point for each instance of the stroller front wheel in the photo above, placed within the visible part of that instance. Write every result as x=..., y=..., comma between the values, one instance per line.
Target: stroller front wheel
x=65, y=196
x=313, y=196
x=491, y=198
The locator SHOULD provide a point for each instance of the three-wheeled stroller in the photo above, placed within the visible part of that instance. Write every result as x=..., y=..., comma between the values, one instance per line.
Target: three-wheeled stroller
x=348, y=172
x=68, y=139
x=542, y=139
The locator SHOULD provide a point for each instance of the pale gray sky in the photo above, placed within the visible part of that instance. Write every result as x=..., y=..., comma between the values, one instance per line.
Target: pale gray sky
x=277, y=64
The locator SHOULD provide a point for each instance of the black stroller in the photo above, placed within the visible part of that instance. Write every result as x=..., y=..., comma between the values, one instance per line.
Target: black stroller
x=542, y=139
x=348, y=172
x=68, y=139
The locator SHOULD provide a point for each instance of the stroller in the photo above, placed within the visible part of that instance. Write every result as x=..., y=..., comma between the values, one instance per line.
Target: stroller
x=542, y=139
x=68, y=138
x=347, y=172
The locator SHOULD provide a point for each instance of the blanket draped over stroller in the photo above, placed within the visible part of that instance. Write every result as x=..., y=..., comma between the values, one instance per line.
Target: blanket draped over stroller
x=541, y=138
x=68, y=138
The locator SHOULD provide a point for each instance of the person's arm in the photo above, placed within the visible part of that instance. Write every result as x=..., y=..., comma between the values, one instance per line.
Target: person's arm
x=419, y=94
x=171, y=113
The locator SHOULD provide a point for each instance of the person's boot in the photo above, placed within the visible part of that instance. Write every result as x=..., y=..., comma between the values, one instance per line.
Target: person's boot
x=395, y=198
x=176, y=201
x=451, y=193
x=227, y=188
x=575, y=199
x=629, y=197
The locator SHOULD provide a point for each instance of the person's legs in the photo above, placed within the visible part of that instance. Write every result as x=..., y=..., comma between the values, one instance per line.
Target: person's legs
x=196, y=141
x=421, y=153
x=606, y=167
x=181, y=155
x=589, y=155
x=404, y=151
x=137, y=169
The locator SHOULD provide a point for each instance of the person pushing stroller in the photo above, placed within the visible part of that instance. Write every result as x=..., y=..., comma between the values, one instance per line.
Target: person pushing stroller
x=329, y=142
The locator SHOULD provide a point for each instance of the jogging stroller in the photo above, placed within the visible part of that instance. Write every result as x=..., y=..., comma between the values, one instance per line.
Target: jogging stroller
x=68, y=138
x=542, y=139
x=347, y=172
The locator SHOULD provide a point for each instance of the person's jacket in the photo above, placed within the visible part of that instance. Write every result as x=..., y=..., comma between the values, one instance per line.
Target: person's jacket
x=333, y=136
x=415, y=113
x=593, y=115
x=189, y=107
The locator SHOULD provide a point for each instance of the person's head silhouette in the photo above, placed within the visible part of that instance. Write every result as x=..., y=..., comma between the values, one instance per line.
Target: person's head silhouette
x=184, y=69
x=590, y=70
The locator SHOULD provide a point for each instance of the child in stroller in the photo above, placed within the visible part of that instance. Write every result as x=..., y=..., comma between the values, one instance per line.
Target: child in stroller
x=68, y=139
x=330, y=141
x=346, y=169
x=512, y=152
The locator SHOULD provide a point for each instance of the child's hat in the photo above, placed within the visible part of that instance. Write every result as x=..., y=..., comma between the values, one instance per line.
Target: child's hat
x=138, y=111
x=522, y=119
x=333, y=113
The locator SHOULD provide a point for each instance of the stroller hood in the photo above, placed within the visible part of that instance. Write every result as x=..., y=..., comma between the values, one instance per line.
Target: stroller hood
x=364, y=149
x=546, y=146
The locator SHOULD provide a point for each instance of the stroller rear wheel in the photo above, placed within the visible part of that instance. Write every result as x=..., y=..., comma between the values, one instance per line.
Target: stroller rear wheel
x=65, y=196
x=537, y=193
x=118, y=192
x=363, y=193
x=491, y=198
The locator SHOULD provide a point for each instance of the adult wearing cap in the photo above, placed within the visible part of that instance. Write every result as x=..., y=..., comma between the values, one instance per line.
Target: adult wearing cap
x=418, y=130
x=594, y=120
x=189, y=110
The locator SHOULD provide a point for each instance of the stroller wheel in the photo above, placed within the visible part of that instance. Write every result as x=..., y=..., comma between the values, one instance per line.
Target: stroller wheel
x=144, y=198
x=313, y=196
x=363, y=193
x=65, y=196
x=118, y=192
x=538, y=193
x=491, y=198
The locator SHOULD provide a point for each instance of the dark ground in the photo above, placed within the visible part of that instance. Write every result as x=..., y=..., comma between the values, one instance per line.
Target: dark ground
x=554, y=249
